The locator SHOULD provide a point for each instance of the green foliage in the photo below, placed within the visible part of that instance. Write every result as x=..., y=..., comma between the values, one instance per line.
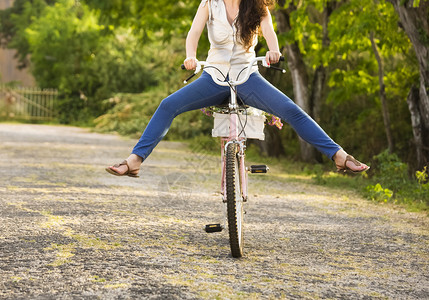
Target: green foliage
x=389, y=182
x=353, y=103
x=14, y=22
x=422, y=177
x=132, y=112
x=422, y=190
x=148, y=18
x=70, y=53
x=377, y=193
x=351, y=108
x=318, y=174
x=62, y=41
x=392, y=174
x=391, y=171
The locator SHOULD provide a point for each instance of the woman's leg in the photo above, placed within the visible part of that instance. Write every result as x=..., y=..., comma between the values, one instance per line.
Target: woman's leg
x=201, y=93
x=259, y=93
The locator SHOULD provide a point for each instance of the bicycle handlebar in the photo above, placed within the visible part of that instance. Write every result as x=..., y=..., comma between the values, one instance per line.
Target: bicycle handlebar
x=262, y=59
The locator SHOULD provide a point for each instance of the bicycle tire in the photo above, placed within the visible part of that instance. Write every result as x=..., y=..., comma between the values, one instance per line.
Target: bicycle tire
x=234, y=201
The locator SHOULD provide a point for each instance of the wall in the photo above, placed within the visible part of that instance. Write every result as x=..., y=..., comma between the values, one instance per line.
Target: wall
x=8, y=64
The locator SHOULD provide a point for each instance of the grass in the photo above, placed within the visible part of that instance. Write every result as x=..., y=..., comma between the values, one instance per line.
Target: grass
x=64, y=253
x=387, y=182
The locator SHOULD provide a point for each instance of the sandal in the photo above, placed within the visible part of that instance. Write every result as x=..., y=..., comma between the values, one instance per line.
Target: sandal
x=130, y=173
x=345, y=169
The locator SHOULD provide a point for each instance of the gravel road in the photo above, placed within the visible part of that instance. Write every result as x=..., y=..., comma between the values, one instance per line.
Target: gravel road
x=70, y=230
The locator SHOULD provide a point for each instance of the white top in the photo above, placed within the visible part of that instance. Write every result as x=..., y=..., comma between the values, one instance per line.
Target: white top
x=227, y=53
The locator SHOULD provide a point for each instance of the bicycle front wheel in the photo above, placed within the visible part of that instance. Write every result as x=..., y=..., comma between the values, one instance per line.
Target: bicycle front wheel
x=234, y=201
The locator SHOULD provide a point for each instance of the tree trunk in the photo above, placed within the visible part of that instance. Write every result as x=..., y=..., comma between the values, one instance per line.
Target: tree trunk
x=384, y=108
x=299, y=75
x=415, y=22
x=316, y=99
x=317, y=92
x=320, y=74
x=413, y=106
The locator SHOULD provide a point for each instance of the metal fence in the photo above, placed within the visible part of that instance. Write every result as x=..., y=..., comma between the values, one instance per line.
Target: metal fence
x=27, y=103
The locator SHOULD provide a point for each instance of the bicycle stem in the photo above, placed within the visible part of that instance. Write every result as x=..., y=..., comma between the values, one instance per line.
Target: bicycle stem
x=233, y=102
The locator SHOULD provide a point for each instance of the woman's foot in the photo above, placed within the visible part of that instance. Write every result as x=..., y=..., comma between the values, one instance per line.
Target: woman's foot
x=129, y=167
x=346, y=162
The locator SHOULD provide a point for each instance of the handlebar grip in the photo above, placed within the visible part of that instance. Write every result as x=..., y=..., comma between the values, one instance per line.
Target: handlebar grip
x=282, y=58
x=183, y=67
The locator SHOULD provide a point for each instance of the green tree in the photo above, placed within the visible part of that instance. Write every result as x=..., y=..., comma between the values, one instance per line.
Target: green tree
x=414, y=17
x=14, y=22
x=147, y=18
x=331, y=58
x=373, y=52
x=70, y=51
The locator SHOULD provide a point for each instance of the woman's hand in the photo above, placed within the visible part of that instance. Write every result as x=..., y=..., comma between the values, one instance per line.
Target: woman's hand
x=190, y=63
x=272, y=57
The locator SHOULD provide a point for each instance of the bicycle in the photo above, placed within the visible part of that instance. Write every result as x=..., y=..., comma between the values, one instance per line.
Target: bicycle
x=229, y=126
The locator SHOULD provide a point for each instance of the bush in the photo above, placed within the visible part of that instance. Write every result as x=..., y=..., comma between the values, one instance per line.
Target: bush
x=391, y=171
x=392, y=183
x=131, y=113
x=378, y=193
x=71, y=52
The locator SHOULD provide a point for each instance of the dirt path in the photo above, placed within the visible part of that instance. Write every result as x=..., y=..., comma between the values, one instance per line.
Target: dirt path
x=69, y=230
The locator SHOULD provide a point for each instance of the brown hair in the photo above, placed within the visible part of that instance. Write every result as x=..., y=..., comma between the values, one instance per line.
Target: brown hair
x=249, y=18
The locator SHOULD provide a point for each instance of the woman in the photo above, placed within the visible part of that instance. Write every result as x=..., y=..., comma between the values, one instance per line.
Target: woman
x=232, y=29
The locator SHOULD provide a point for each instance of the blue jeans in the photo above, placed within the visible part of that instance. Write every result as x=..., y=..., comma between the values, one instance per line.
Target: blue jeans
x=256, y=92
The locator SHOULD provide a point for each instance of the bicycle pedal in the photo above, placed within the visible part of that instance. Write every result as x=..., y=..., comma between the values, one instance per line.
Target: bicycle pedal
x=259, y=169
x=213, y=228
